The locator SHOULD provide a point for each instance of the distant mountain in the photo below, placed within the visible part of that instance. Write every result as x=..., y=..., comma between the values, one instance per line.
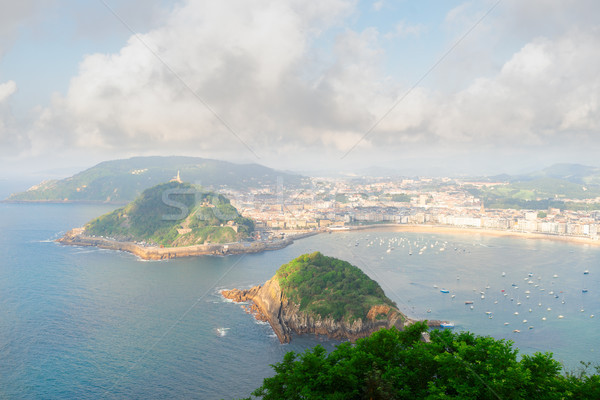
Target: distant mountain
x=575, y=173
x=120, y=181
x=549, y=187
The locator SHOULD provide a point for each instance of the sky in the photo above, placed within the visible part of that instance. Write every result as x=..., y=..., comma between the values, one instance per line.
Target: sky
x=428, y=87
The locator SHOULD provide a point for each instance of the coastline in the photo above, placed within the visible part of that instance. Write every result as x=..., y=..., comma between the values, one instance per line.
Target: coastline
x=77, y=237
x=445, y=229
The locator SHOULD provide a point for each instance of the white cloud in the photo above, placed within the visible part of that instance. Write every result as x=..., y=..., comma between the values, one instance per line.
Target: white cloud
x=404, y=29
x=6, y=90
x=248, y=66
x=546, y=94
x=259, y=66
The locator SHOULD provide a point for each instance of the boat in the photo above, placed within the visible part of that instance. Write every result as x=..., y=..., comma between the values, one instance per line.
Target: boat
x=560, y=317
x=586, y=272
x=447, y=325
x=517, y=331
x=444, y=291
x=555, y=276
x=468, y=302
x=584, y=290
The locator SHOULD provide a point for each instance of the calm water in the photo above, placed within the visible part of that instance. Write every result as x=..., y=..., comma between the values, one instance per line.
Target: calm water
x=86, y=323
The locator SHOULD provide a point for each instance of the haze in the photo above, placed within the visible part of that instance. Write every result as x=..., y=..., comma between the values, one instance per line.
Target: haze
x=430, y=87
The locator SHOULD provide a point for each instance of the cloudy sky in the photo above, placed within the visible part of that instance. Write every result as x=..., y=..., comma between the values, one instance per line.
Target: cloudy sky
x=422, y=86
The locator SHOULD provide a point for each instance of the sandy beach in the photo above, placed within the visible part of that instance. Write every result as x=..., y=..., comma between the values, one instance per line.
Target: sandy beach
x=444, y=229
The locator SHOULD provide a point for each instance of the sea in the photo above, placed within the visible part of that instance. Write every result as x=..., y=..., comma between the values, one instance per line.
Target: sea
x=88, y=323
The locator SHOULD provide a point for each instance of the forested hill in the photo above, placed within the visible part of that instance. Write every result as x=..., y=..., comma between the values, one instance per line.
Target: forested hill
x=329, y=287
x=174, y=214
x=120, y=181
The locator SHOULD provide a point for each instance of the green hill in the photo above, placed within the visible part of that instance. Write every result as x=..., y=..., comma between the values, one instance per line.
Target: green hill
x=120, y=181
x=330, y=287
x=174, y=214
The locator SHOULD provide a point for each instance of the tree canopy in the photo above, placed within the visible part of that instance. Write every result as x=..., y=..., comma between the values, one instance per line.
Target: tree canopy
x=392, y=364
x=330, y=287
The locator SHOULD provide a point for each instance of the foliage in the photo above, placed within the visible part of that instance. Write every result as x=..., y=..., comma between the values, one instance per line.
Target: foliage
x=159, y=213
x=392, y=364
x=329, y=287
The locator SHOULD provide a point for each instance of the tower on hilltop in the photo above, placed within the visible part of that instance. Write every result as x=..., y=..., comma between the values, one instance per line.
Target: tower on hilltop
x=177, y=178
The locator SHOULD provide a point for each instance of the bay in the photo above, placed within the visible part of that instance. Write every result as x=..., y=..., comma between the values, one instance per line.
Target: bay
x=89, y=323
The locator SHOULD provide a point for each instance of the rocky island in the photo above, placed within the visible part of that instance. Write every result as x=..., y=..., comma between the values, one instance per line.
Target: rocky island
x=321, y=295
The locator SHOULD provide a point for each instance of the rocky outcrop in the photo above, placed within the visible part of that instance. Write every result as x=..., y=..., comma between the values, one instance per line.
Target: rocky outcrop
x=286, y=318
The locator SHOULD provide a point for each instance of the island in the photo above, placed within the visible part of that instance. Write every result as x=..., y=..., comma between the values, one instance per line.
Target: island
x=173, y=219
x=317, y=294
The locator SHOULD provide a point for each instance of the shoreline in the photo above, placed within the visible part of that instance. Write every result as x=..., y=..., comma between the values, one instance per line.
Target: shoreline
x=76, y=237
x=445, y=229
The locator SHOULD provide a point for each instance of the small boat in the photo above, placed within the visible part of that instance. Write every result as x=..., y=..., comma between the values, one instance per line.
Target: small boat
x=586, y=272
x=506, y=323
x=560, y=317
x=555, y=276
x=447, y=325
x=530, y=327
x=543, y=318
x=516, y=313
x=468, y=302
x=453, y=296
x=504, y=274
x=517, y=331
x=584, y=290
x=444, y=291
x=428, y=311
x=488, y=312
x=524, y=321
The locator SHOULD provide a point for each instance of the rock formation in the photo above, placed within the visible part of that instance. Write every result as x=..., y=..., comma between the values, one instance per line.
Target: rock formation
x=286, y=318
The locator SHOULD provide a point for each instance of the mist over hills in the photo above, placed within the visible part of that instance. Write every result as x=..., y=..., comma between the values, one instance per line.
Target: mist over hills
x=121, y=181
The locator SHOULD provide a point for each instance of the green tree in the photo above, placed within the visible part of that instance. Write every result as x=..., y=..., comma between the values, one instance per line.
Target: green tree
x=392, y=364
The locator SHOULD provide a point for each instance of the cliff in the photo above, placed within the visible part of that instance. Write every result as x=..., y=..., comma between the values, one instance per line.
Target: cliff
x=286, y=316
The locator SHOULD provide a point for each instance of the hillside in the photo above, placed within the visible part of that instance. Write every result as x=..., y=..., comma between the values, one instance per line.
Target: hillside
x=120, y=181
x=329, y=287
x=321, y=295
x=551, y=187
x=174, y=214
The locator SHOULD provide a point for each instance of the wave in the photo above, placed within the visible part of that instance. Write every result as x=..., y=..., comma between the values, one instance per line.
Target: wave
x=222, y=331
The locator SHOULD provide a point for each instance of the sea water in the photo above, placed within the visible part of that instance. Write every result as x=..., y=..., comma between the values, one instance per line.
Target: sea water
x=87, y=323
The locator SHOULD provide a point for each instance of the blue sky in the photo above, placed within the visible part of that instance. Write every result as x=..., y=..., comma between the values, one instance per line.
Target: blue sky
x=333, y=85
